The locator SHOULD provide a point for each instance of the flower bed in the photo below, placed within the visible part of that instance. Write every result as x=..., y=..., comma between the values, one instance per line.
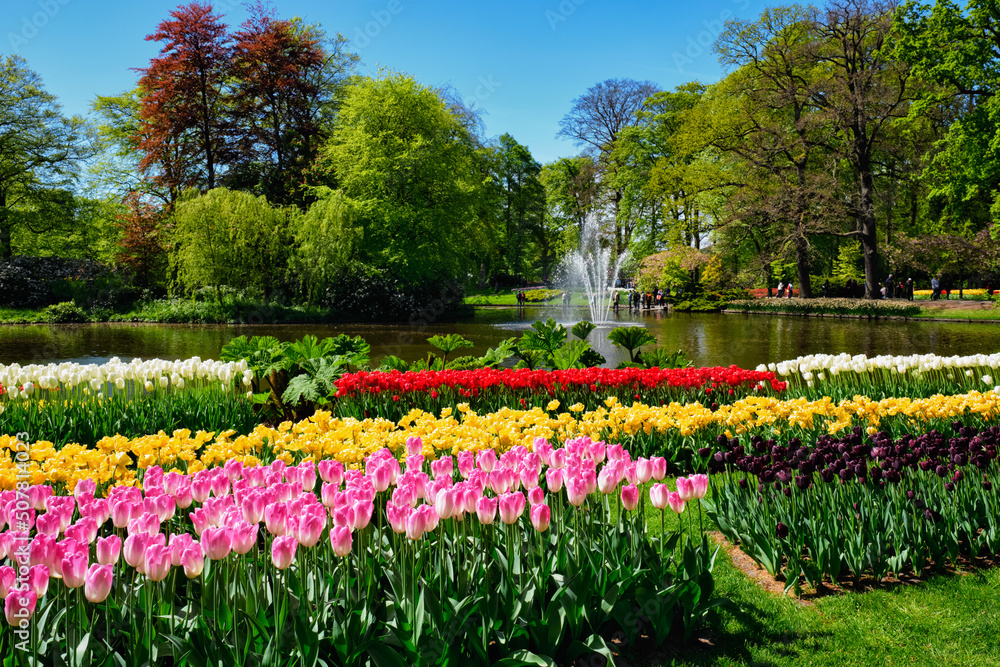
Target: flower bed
x=70, y=402
x=840, y=375
x=856, y=307
x=868, y=506
x=681, y=432
x=392, y=394
x=530, y=557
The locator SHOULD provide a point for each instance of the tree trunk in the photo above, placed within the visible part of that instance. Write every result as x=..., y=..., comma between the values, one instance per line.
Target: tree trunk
x=6, y=251
x=802, y=263
x=866, y=224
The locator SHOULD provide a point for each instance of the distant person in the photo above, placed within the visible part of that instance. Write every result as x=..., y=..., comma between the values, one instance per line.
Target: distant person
x=781, y=288
x=826, y=288
x=909, y=289
x=617, y=297
x=935, y=288
x=790, y=289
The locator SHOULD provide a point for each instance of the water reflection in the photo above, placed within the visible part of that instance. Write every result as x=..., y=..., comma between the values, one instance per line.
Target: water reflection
x=708, y=339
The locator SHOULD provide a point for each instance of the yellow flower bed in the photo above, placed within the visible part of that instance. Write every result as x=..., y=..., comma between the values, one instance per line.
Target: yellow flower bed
x=350, y=441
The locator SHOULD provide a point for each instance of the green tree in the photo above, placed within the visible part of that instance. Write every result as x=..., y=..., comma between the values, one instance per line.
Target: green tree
x=41, y=150
x=411, y=166
x=325, y=238
x=522, y=204
x=231, y=238
x=959, y=50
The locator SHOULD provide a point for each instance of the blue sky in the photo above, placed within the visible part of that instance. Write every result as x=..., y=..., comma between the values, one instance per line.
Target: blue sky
x=523, y=62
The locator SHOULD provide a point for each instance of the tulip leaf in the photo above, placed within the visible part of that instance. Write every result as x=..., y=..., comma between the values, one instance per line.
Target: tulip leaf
x=524, y=657
x=384, y=656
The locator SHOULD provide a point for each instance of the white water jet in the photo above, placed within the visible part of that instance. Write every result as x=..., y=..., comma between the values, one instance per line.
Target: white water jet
x=593, y=269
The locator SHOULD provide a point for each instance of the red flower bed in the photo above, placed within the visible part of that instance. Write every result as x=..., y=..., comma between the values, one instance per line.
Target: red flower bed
x=761, y=292
x=549, y=382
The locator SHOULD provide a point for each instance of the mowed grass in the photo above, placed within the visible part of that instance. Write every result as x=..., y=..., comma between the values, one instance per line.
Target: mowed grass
x=960, y=314
x=947, y=619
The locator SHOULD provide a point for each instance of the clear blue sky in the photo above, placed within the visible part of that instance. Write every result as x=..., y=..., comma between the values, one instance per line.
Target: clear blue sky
x=522, y=62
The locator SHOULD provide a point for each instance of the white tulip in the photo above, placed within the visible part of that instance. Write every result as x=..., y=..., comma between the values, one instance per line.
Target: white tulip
x=163, y=382
x=148, y=386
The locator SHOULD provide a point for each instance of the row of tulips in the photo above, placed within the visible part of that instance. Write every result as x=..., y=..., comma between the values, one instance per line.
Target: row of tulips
x=864, y=505
x=681, y=432
x=69, y=402
x=529, y=557
x=394, y=393
x=844, y=375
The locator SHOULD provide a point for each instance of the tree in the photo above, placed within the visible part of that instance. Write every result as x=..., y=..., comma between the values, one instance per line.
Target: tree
x=572, y=189
x=182, y=132
x=411, y=166
x=325, y=239
x=141, y=244
x=40, y=150
x=522, y=202
x=596, y=121
x=283, y=82
x=959, y=50
x=230, y=238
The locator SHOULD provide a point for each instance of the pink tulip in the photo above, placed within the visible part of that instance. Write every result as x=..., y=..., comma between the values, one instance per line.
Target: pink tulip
x=178, y=543
x=444, y=503
x=244, y=536
x=134, y=550
x=511, y=506
x=19, y=607
x=37, y=495
x=199, y=519
x=147, y=523
x=171, y=482
x=42, y=550
x=331, y=472
x=123, y=512
x=342, y=540
x=311, y=529
x=48, y=524
x=363, y=510
x=554, y=479
x=443, y=467
x=414, y=462
x=630, y=497
x=685, y=489
x=98, y=583
x=486, y=459
x=74, y=569
x=486, y=508
x=8, y=579
x=607, y=480
x=397, y=515
x=590, y=478
x=659, y=466
x=643, y=470
x=536, y=496
x=99, y=510
x=276, y=518
x=217, y=542
x=193, y=562
x=576, y=491
x=157, y=561
x=38, y=579
x=381, y=477
x=108, y=549
x=201, y=487
x=675, y=501
x=85, y=487
x=414, y=446
x=466, y=463
x=416, y=525
x=700, y=484
x=658, y=496
x=283, y=551
x=540, y=517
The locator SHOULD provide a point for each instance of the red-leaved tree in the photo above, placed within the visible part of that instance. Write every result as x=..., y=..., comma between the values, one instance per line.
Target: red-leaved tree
x=275, y=63
x=182, y=132
x=141, y=249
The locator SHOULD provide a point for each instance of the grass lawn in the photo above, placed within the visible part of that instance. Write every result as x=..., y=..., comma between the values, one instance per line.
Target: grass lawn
x=947, y=619
x=21, y=315
x=961, y=314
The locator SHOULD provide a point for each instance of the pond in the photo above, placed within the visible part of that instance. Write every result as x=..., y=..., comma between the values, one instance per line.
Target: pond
x=708, y=339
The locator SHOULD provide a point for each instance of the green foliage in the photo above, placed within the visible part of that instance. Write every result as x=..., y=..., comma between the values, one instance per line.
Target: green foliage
x=449, y=343
x=582, y=329
x=545, y=337
x=326, y=236
x=849, y=264
x=658, y=357
x=862, y=308
x=393, y=363
x=406, y=160
x=230, y=238
x=65, y=312
x=631, y=338
x=495, y=356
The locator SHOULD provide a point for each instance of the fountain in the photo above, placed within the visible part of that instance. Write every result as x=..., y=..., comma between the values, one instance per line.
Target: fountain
x=593, y=269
